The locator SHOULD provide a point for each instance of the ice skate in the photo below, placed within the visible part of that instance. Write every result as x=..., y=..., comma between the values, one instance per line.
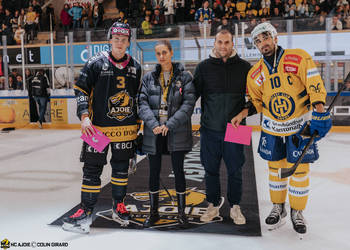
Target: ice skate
x=276, y=217
x=120, y=214
x=79, y=222
x=299, y=223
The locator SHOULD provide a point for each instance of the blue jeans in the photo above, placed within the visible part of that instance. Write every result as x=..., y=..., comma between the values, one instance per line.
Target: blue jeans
x=42, y=102
x=76, y=24
x=213, y=149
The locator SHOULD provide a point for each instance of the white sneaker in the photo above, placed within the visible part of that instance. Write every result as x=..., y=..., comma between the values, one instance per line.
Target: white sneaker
x=212, y=211
x=236, y=215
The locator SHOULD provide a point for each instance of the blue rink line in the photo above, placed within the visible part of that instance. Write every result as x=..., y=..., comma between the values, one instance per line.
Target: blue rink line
x=347, y=93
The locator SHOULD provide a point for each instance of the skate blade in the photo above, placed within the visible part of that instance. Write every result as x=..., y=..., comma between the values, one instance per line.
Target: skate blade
x=76, y=229
x=300, y=236
x=277, y=225
x=123, y=223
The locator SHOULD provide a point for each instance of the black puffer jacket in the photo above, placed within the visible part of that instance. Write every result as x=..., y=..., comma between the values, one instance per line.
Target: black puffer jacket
x=181, y=101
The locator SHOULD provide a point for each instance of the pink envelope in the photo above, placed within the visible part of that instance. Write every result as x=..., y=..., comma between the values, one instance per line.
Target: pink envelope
x=241, y=135
x=98, y=141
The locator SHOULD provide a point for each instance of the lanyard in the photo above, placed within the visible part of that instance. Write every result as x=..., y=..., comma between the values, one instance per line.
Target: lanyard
x=165, y=89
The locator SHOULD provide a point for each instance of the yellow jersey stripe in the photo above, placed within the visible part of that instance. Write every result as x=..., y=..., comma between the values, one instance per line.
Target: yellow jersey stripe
x=119, y=184
x=90, y=191
x=80, y=89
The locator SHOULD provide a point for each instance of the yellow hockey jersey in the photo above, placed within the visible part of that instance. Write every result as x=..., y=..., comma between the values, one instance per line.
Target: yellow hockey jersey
x=283, y=94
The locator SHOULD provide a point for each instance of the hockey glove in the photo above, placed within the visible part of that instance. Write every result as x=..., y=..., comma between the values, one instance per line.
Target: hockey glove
x=321, y=122
x=302, y=138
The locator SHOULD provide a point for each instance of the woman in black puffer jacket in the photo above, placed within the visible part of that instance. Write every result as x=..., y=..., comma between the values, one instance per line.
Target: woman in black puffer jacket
x=166, y=103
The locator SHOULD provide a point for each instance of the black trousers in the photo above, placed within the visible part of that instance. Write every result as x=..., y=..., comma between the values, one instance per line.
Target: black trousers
x=177, y=162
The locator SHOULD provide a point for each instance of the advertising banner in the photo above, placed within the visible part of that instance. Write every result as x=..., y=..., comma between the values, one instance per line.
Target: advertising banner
x=59, y=110
x=15, y=55
x=14, y=111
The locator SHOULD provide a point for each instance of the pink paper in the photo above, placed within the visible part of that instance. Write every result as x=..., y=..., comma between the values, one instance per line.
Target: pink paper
x=241, y=135
x=98, y=141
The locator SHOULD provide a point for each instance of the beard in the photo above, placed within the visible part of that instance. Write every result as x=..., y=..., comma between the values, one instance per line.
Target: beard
x=267, y=50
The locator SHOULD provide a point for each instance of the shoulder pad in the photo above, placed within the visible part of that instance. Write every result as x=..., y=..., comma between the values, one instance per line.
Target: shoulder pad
x=98, y=56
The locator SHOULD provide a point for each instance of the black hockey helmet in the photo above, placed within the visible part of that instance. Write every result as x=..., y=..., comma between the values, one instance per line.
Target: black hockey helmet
x=120, y=29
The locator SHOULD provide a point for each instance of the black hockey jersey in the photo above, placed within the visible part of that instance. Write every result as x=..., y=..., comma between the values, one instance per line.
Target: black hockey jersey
x=107, y=91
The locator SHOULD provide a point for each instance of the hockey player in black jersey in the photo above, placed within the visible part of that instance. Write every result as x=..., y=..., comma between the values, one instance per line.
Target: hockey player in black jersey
x=106, y=94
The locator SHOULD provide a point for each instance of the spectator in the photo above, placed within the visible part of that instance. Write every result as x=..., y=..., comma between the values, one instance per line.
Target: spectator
x=97, y=14
x=21, y=18
x=12, y=83
x=249, y=16
x=336, y=23
x=39, y=88
x=7, y=31
x=2, y=14
x=265, y=13
x=204, y=16
x=75, y=13
x=156, y=4
x=169, y=11
x=7, y=18
x=180, y=11
x=277, y=4
x=312, y=8
x=290, y=9
x=50, y=17
x=218, y=13
x=265, y=4
x=14, y=20
x=143, y=6
x=346, y=10
x=17, y=36
x=237, y=17
x=229, y=10
x=85, y=18
x=158, y=19
x=303, y=9
x=326, y=6
x=2, y=83
x=66, y=19
x=190, y=10
x=19, y=79
x=39, y=12
x=224, y=25
x=30, y=20
x=251, y=25
x=147, y=26
x=347, y=22
x=122, y=18
x=276, y=14
x=255, y=5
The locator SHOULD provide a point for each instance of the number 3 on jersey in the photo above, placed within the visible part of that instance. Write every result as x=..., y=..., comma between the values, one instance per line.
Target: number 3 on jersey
x=121, y=82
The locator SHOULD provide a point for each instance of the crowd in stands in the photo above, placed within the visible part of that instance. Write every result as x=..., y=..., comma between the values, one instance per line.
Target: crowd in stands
x=310, y=14
x=24, y=17
x=82, y=15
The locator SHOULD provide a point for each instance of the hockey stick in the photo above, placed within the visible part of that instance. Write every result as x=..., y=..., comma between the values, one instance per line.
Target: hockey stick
x=286, y=172
x=167, y=191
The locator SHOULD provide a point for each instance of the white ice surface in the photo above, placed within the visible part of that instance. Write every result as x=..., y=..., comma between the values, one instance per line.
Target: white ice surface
x=40, y=180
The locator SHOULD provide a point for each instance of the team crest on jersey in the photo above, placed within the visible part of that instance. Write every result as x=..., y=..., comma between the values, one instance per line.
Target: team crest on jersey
x=316, y=88
x=281, y=106
x=120, y=106
x=293, y=58
x=256, y=72
x=260, y=80
x=139, y=208
x=289, y=68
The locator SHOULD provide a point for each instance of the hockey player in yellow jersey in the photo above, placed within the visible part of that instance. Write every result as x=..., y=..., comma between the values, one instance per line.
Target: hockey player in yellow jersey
x=285, y=86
